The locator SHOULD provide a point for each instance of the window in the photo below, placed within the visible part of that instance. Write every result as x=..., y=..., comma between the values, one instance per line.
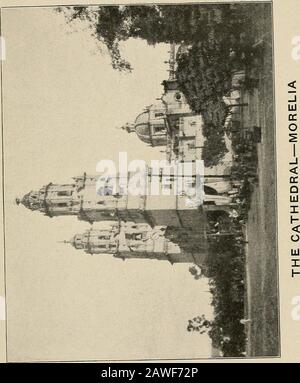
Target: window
x=64, y=193
x=62, y=204
x=159, y=128
x=167, y=186
x=210, y=190
x=108, y=214
x=159, y=114
x=103, y=237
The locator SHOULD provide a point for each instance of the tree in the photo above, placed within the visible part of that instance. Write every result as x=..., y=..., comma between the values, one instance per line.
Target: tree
x=225, y=269
x=156, y=24
x=196, y=271
x=214, y=150
x=199, y=324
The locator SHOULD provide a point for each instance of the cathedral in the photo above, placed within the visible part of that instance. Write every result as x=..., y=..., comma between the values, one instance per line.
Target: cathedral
x=144, y=224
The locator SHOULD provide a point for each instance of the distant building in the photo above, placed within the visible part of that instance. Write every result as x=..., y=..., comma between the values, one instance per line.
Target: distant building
x=171, y=122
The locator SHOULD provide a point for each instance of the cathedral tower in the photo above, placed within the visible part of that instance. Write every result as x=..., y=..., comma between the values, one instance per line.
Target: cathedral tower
x=90, y=202
x=130, y=240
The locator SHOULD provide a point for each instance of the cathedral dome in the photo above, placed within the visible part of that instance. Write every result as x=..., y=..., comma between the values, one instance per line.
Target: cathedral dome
x=142, y=118
x=142, y=127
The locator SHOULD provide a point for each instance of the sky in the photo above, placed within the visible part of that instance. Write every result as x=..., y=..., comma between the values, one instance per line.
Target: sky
x=62, y=105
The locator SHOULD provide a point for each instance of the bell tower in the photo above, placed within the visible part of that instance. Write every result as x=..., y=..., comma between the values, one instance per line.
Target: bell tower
x=130, y=240
x=52, y=199
x=94, y=201
x=97, y=241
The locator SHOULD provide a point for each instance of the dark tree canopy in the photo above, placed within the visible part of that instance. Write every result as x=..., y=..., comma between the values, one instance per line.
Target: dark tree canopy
x=153, y=23
x=188, y=24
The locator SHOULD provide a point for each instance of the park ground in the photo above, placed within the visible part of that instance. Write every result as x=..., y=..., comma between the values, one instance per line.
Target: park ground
x=262, y=301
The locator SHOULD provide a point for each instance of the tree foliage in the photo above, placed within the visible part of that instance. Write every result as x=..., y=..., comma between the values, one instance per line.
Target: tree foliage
x=196, y=272
x=154, y=23
x=225, y=270
x=217, y=39
x=199, y=324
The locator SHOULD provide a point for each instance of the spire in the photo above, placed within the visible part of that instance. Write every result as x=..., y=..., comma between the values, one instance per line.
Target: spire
x=65, y=241
x=31, y=200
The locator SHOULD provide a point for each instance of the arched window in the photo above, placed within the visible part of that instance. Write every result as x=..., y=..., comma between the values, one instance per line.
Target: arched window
x=210, y=190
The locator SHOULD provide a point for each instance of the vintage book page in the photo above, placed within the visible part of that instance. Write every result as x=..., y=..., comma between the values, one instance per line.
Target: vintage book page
x=150, y=187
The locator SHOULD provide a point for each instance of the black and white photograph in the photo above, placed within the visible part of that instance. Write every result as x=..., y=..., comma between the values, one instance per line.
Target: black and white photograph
x=139, y=182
